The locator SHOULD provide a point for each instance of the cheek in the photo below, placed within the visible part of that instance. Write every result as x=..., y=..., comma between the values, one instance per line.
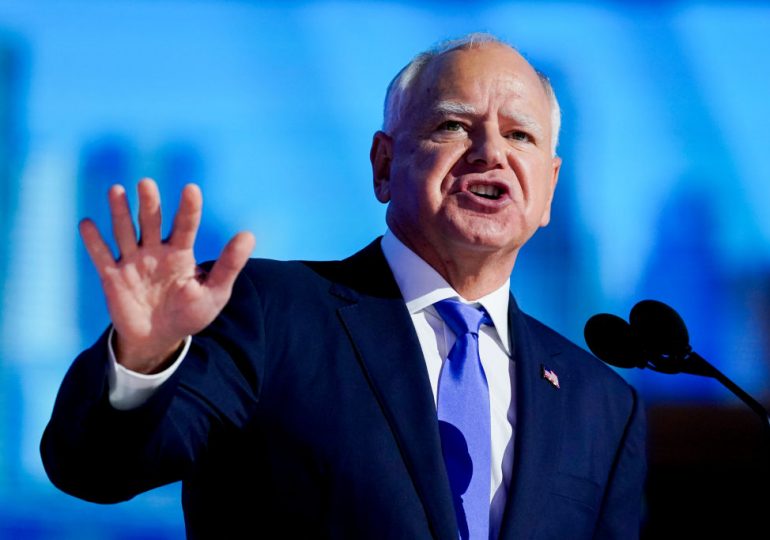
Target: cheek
x=540, y=202
x=426, y=156
x=534, y=178
x=424, y=173
x=443, y=163
x=419, y=170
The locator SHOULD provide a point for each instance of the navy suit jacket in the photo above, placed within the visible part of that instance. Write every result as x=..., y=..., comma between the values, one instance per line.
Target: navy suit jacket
x=305, y=410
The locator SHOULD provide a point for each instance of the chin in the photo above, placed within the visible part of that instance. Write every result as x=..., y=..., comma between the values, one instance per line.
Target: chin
x=484, y=239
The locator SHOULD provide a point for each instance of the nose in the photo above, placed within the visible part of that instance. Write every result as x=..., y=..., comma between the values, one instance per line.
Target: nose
x=486, y=149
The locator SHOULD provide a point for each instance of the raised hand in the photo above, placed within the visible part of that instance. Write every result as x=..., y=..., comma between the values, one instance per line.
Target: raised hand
x=156, y=295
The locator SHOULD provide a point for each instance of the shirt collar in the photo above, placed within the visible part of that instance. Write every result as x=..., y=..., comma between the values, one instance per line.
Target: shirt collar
x=422, y=286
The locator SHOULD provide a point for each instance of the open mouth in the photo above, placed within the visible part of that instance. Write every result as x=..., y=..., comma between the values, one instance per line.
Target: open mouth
x=492, y=193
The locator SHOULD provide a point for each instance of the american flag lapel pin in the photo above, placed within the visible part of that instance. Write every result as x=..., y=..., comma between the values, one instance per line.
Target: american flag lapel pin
x=549, y=376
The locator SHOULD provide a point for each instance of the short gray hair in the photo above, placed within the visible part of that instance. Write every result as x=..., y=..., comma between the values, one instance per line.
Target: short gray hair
x=402, y=83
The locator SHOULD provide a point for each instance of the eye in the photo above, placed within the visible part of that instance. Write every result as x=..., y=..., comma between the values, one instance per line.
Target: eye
x=519, y=135
x=451, y=125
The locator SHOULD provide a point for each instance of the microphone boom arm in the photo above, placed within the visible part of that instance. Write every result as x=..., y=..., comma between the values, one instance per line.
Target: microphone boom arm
x=697, y=365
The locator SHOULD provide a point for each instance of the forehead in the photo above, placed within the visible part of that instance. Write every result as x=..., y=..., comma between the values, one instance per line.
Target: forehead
x=490, y=74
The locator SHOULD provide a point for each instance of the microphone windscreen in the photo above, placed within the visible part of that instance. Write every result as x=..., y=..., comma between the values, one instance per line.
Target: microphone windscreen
x=611, y=339
x=660, y=328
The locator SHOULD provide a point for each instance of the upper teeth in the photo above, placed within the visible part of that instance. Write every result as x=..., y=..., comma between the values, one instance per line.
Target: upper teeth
x=490, y=191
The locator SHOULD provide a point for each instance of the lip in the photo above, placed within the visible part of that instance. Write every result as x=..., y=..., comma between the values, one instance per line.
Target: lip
x=462, y=191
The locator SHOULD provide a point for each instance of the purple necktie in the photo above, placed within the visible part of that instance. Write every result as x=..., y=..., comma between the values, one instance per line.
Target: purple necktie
x=463, y=417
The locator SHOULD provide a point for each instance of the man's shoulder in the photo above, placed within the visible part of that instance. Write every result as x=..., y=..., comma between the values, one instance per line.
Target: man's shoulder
x=366, y=272
x=275, y=278
x=277, y=270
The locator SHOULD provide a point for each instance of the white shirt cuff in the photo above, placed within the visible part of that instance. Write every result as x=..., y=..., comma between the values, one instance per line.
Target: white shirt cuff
x=130, y=389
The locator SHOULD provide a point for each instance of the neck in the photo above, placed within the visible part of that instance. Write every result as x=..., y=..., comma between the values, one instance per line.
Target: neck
x=472, y=277
x=473, y=273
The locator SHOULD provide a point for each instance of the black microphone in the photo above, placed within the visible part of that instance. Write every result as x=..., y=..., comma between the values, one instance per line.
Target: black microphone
x=660, y=328
x=665, y=338
x=610, y=338
x=656, y=338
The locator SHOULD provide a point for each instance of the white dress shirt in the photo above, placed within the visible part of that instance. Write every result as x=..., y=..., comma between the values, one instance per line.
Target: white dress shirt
x=421, y=286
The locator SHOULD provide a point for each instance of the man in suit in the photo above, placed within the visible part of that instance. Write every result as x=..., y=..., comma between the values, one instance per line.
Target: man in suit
x=305, y=402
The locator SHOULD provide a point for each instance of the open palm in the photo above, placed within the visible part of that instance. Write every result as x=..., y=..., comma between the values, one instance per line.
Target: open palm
x=156, y=294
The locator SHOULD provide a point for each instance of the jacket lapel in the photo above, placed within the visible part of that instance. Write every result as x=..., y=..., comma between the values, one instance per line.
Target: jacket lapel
x=382, y=332
x=539, y=411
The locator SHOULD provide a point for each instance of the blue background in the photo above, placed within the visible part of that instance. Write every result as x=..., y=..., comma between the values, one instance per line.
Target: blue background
x=270, y=107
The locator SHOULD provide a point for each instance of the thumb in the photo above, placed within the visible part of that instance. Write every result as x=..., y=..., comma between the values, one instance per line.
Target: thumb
x=231, y=261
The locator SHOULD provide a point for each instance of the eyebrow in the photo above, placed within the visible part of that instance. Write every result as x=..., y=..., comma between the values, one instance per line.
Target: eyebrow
x=521, y=119
x=524, y=120
x=453, y=107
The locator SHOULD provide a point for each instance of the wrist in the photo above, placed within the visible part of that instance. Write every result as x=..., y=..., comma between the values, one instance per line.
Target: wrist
x=148, y=359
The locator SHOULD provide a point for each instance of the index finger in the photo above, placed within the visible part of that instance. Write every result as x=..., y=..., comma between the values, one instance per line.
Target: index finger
x=97, y=248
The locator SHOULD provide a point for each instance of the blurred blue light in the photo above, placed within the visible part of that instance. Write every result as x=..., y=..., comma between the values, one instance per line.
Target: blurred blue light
x=270, y=107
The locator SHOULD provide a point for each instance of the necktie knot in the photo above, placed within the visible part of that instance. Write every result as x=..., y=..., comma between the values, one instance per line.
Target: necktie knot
x=462, y=318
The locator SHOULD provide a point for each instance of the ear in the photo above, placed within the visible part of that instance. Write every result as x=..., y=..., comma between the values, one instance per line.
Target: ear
x=381, y=156
x=555, y=167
